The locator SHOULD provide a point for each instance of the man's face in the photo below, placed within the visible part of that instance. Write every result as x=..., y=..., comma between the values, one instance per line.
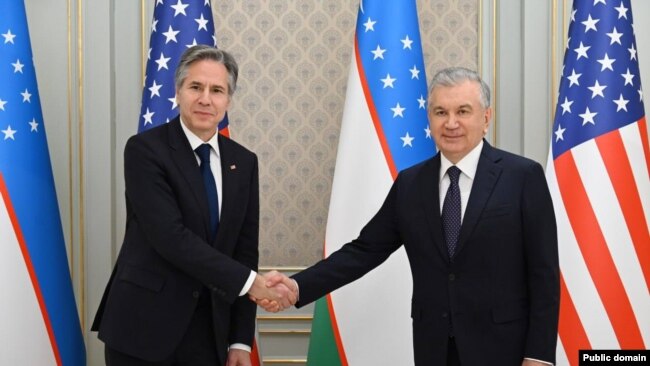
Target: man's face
x=203, y=97
x=457, y=119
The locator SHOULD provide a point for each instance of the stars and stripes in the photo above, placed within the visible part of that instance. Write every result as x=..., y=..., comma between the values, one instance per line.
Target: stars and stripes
x=176, y=25
x=38, y=314
x=598, y=175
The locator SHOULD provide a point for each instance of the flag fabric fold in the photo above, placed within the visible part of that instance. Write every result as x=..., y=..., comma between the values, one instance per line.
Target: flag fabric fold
x=598, y=175
x=384, y=130
x=39, y=323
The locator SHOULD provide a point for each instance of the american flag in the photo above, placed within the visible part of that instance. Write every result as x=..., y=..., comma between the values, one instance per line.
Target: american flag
x=39, y=323
x=598, y=172
x=176, y=26
x=384, y=130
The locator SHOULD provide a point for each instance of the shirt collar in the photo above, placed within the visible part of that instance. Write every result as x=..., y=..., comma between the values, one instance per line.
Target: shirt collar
x=196, y=141
x=467, y=164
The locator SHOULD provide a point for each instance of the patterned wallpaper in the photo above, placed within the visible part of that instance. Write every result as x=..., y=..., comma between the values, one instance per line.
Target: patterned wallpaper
x=294, y=58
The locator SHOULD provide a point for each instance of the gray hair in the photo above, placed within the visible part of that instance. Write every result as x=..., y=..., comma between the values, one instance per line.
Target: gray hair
x=453, y=76
x=203, y=52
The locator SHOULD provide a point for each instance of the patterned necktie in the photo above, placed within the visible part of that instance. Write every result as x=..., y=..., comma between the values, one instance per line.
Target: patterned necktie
x=451, y=211
x=210, y=188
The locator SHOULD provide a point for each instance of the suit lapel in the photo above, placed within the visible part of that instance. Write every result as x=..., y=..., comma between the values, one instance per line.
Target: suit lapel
x=229, y=183
x=184, y=158
x=487, y=175
x=430, y=190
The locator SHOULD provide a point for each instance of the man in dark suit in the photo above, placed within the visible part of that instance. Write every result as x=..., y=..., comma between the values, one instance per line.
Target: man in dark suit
x=190, y=251
x=479, y=230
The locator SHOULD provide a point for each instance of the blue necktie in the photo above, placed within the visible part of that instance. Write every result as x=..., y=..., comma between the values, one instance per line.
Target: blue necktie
x=210, y=187
x=451, y=211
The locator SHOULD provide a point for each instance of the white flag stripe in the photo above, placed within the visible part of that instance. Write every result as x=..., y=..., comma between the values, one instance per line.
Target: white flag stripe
x=361, y=182
x=561, y=358
x=361, y=173
x=634, y=147
x=612, y=223
x=21, y=320
x=576, y=275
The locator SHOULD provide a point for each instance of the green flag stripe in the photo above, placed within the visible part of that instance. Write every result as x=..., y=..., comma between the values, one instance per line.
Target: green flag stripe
x=322, y=343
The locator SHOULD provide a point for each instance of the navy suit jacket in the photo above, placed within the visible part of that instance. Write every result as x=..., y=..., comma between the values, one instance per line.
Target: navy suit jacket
x=499, y=296
x=166, y=260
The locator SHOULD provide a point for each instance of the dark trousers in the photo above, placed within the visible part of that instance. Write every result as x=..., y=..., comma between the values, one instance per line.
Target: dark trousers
x=197, y=348
x=452, y=353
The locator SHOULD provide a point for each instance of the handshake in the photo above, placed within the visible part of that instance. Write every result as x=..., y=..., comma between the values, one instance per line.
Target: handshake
x=274, y=291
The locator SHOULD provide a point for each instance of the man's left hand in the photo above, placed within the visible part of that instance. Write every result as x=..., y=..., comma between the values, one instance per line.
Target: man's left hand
x=238, y=357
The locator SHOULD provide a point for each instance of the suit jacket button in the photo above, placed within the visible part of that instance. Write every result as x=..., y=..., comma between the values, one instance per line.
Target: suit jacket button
x=196, y=294
x=452, y=277
x=445, y=314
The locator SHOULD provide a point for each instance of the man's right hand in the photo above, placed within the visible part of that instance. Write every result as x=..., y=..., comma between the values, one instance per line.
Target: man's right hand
x=273, y=292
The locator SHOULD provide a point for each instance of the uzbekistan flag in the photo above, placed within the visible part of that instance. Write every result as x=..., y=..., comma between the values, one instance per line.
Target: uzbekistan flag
x=598, y=176
x=39, y=324
x=384, y=130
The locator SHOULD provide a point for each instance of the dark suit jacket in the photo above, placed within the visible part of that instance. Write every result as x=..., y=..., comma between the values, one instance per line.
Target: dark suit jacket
x=165, y=260
x=500, y=294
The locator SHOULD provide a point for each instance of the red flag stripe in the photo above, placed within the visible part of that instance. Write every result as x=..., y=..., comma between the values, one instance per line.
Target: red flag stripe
x=596, y=253
x=30, y=269
x=572, y=333
x=373, y=112
x=618, y=166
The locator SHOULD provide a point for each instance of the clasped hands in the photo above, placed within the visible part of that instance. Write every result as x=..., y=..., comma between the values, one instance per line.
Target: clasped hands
x=274, y=291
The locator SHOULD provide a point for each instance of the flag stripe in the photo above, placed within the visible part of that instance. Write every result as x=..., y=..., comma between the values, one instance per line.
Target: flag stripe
x=572, y=333
x=643, y=131
x=30, y=269
x=373, y=111
x=335, y=330
x=593, y=247
x=620, y=172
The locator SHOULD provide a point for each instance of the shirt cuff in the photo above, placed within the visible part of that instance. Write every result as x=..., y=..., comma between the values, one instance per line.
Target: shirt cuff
x=247, y=287
x=544, y=362
x=241, y=346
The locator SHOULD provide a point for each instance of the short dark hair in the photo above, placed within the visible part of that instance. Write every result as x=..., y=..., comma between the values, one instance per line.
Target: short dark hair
x=203, y=52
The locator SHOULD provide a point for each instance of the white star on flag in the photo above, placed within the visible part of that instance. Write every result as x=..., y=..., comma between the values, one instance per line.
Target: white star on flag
x=26, y=96
x=378, y=52
x=370, y=24
x=597, y=89
x=147, y=117
x=388, y=81
x=9, y=38
x=34, y=125
x=155, y=89
x=203, y=23
x=170, y=35
x=407, y=42
x=398, y=111
x=407, y=140
x=18, y=67
x=588, y=117
x=559, y=133
x=9, y=133
x=179, y=8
